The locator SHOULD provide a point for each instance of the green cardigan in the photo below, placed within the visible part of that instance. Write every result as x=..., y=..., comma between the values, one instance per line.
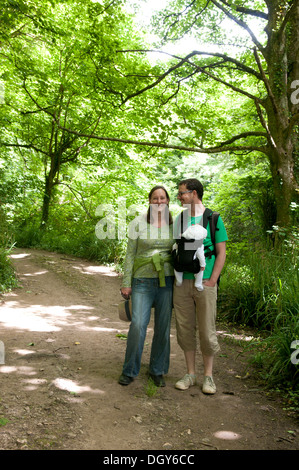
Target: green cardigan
x=148, y=252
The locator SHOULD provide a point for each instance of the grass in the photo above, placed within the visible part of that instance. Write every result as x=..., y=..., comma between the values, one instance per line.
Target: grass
x=151, y=389
x=3, y=421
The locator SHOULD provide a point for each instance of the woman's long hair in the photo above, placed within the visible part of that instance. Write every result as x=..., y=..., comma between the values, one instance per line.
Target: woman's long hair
x=148, y=216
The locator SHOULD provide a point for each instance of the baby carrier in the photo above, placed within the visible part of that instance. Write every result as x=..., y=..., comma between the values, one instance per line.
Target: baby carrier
x=183, y=257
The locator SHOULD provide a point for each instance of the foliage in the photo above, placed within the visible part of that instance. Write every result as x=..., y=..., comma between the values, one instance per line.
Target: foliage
x=245, y=59
x=7, y=275
x=277, y=350
x=260, y=289
x=265, y=285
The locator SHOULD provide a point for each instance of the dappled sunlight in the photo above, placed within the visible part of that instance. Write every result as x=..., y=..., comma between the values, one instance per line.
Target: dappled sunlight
x=103, y=330
x=227, y=435
x=24, y=318
x=33, y=384
x=24, y=352
x=52, y=313
x=21, y=370
x=72, y=387
x=79, y=307
x=237, y=337
x=37, y=273
x=37, y=317
x=20, y=255
x=103, y=270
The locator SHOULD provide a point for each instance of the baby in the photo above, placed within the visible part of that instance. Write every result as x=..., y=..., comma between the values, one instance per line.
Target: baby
x=198, y=233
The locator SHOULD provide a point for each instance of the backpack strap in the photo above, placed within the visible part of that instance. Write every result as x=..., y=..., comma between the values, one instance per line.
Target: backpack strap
x=182, y=224
x=212, y=218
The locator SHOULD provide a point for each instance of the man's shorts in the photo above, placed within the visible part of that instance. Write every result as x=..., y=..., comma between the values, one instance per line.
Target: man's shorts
x=196, y=308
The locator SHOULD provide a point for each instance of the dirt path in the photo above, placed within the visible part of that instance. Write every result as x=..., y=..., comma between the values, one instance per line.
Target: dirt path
x=63, y=356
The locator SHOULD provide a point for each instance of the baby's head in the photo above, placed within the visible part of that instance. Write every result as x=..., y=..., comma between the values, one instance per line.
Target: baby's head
x=196, y=232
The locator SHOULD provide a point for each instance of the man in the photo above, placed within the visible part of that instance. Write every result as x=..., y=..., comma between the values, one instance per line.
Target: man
x=192, y=306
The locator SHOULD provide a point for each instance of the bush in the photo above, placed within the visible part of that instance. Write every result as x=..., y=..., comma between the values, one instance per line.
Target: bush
x=258, y=286
x=260, y=289
x=7, y=274
x=77, y=239
x=278, y=350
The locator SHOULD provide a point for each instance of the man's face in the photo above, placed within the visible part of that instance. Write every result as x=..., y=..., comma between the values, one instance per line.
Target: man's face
x=185, y=195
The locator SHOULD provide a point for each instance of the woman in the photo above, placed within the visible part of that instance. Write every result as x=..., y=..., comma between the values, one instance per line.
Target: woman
x=148, y=278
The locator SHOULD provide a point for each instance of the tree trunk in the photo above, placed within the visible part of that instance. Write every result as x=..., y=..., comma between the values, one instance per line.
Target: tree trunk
x=284, y=184
x=282, y=57
x=48, y=193
x=46, y=201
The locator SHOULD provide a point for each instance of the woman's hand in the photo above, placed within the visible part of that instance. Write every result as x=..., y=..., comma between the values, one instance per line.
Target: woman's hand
x=126, y=292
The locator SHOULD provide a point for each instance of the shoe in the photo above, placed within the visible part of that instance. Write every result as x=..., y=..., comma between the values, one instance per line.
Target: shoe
x=125, y=379
x=209, y=386
x=158, y=380
x=186, y=382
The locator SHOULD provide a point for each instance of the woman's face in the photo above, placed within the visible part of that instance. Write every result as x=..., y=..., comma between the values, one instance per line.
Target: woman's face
x=159, y=200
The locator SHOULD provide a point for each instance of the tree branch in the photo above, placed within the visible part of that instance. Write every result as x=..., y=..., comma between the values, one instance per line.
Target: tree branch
x=81, y=202
x=209, y=150
x=265, y=80
x=239, y=22
x=229, y=85
x=28, y=146
x=227, y=58
x=164, y=75
x=180, y=14
x=241, y=136
x=35, y=102
x=249, y=11
x=287, y=17
x=200, y=69
x=264, y=124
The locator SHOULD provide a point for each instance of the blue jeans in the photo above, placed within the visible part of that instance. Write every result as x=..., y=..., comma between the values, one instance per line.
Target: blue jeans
x=146, y=293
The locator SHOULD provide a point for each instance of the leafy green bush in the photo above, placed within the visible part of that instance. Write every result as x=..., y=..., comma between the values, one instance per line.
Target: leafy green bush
x=259, y=285
x=75, y=238
x=7, y=274
x=278, y=349
x=260, y=288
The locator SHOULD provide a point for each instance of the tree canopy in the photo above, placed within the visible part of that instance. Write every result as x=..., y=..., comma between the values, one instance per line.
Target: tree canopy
x=81, y=85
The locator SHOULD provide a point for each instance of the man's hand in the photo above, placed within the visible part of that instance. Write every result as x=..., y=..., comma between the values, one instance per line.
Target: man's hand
x=219, y=263
x=209, y=283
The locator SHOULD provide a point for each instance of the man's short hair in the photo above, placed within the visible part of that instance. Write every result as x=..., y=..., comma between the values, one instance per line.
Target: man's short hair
x=193, y=184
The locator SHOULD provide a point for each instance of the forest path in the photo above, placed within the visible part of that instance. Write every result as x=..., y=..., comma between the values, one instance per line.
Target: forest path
x=64, y=354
